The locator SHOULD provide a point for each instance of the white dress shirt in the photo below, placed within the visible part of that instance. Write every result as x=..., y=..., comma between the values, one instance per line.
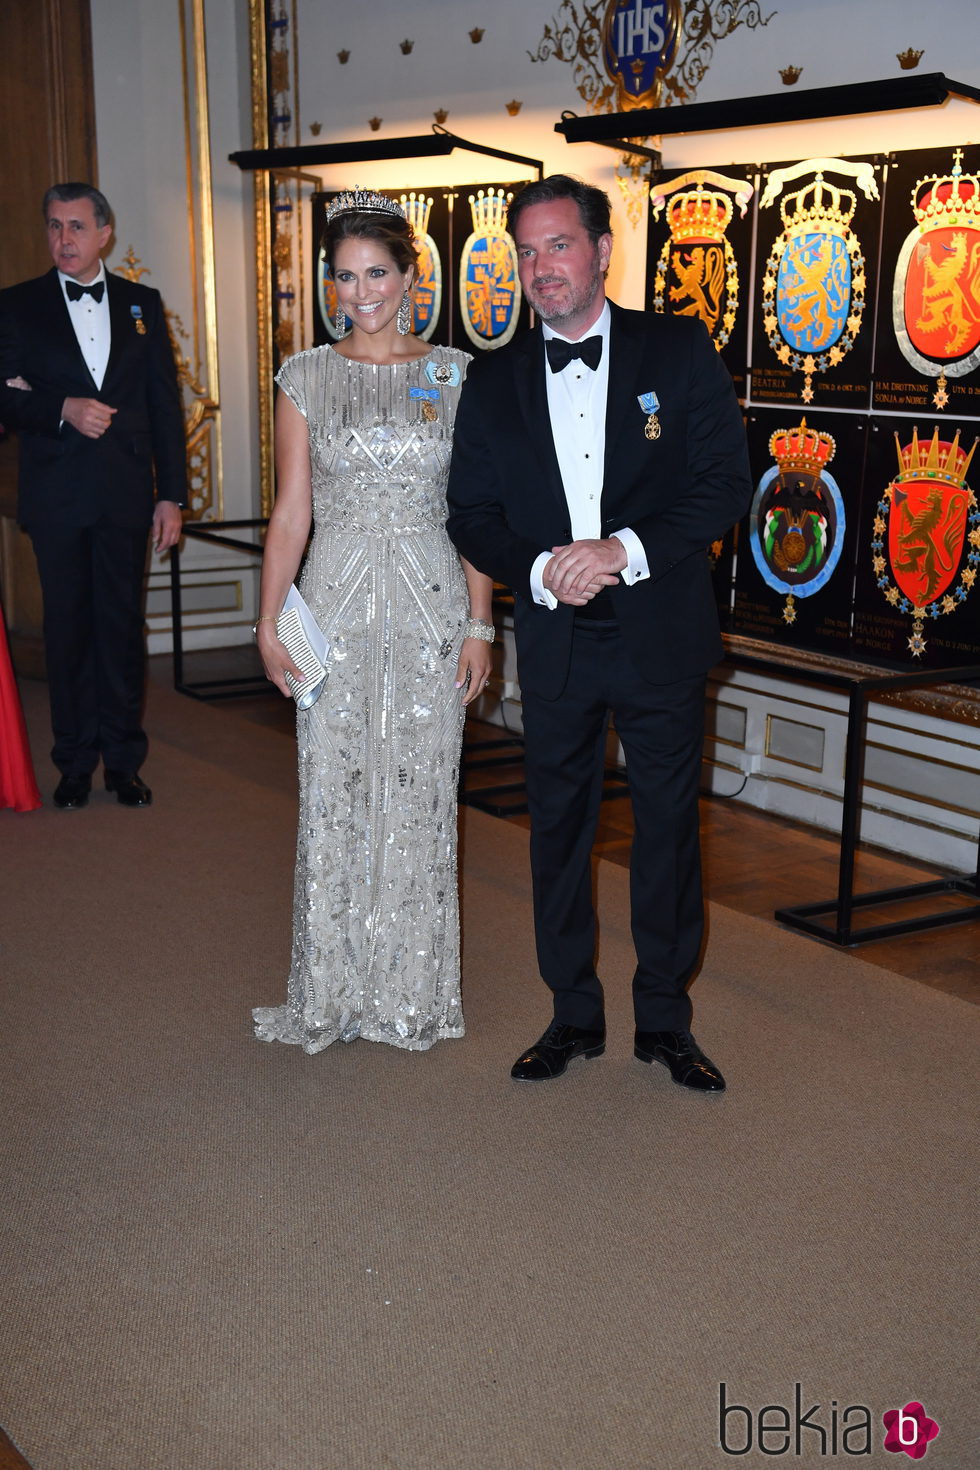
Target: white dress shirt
x=577, y=409
x=90, y=321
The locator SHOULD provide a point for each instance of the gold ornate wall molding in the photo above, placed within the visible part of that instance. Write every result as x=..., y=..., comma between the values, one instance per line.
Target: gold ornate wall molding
x=196, y=350
x=199, y=373
x=263, y=248
x=279, y=263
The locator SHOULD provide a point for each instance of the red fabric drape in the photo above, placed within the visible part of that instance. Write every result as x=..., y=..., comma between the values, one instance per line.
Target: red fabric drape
x=18, y=788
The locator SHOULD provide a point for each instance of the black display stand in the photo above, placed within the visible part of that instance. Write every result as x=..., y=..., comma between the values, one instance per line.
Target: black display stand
x=838, y=927
x=213, y=533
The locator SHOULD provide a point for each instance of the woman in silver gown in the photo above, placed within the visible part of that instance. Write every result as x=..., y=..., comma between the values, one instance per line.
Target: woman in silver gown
x=363, y=440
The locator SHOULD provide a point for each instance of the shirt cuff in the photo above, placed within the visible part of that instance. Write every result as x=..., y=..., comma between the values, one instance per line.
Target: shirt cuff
x=637, y=568
x=539, y=591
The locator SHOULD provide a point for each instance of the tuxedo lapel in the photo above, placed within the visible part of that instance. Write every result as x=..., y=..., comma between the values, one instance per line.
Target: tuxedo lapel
x=532, y=395
x=121, y=325
x=625, y=356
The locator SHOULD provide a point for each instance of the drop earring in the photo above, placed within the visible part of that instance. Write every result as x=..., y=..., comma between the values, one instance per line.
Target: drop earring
x=404, y=319
x=340, y=321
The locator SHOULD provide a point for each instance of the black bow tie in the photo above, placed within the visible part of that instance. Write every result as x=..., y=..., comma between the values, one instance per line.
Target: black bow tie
x=76, y=292
x=561, y=353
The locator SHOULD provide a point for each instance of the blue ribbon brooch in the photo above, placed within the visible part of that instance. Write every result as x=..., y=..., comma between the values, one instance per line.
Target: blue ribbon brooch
x=649, y=402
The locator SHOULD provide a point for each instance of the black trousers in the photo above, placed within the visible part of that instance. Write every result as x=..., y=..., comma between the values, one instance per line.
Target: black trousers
x=661, y=728
x=92, y=584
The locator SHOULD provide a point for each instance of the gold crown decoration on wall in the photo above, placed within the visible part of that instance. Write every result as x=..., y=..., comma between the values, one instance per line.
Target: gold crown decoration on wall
x=819, y=203
x=790, y=75
x=406, y=47
x=909, y=59
x=343, y=57
x=374, y=123
x=416, y=209
x=489, y=211
x=477, y=34
x=802, y=449
x=947, y=199
x=514, y=107
x=699, y=214
x=917, y=460
x=440, y=115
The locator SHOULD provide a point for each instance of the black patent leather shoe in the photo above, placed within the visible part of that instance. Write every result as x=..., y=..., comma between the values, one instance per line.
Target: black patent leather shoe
x=681, y=1055
x=559, y=1045
x=129, y=789
x=71, y=792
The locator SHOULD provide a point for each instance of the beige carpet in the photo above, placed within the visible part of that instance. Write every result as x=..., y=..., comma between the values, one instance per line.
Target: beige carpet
x=221, y=1255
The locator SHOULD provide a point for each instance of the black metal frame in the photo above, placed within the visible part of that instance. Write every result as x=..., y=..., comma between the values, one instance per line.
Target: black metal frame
x=215, y=688
x=805, y=916
x=437, y=144
x=894, y=94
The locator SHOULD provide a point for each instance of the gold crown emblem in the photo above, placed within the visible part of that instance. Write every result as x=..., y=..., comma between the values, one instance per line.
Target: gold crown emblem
x=790, y=74
x=909, y=59
x=802, y=448
x=818, y=203
x=940, y=460
x=489, y=211
x=699, y=214
x=950, y=199
x=415, y=208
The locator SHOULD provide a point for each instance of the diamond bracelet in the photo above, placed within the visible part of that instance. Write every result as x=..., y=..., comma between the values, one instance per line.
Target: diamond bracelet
x=477, y=628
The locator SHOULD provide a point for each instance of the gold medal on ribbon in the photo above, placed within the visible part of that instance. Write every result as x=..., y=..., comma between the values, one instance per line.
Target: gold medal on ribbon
x=649, y=403
x=427, y=398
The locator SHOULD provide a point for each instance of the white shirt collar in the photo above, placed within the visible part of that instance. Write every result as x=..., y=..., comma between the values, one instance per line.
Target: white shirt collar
x=599, y=328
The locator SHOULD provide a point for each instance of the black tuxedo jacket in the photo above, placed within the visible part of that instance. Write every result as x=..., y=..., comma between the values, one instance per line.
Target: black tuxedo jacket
x=65, y=477
x=678, y=493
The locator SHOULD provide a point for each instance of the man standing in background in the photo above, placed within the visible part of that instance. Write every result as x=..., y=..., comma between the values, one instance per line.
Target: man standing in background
x=87, y=378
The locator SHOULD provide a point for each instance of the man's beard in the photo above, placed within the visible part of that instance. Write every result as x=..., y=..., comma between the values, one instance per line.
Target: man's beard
x=575, y=304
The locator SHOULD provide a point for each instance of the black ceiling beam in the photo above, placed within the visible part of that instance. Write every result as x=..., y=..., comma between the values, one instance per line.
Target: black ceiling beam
x=438, y=143
x=370, y=150
x=931, y=89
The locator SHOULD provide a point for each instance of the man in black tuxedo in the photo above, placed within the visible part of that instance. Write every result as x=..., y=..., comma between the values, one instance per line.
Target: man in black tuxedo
x=87, y=376
x=594, y=461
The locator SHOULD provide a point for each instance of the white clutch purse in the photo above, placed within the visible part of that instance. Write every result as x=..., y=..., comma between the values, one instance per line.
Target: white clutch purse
x=307, y=647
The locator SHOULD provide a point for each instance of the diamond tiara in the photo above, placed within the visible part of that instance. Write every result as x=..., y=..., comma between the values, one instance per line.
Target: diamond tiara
x=362, y=201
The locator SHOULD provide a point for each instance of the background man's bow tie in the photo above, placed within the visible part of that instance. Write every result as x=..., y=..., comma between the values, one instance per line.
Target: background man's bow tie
x=76, y=291
x=560, y=353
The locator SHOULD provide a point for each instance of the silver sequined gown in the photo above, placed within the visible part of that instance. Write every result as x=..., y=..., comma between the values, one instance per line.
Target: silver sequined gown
x=375, y=915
